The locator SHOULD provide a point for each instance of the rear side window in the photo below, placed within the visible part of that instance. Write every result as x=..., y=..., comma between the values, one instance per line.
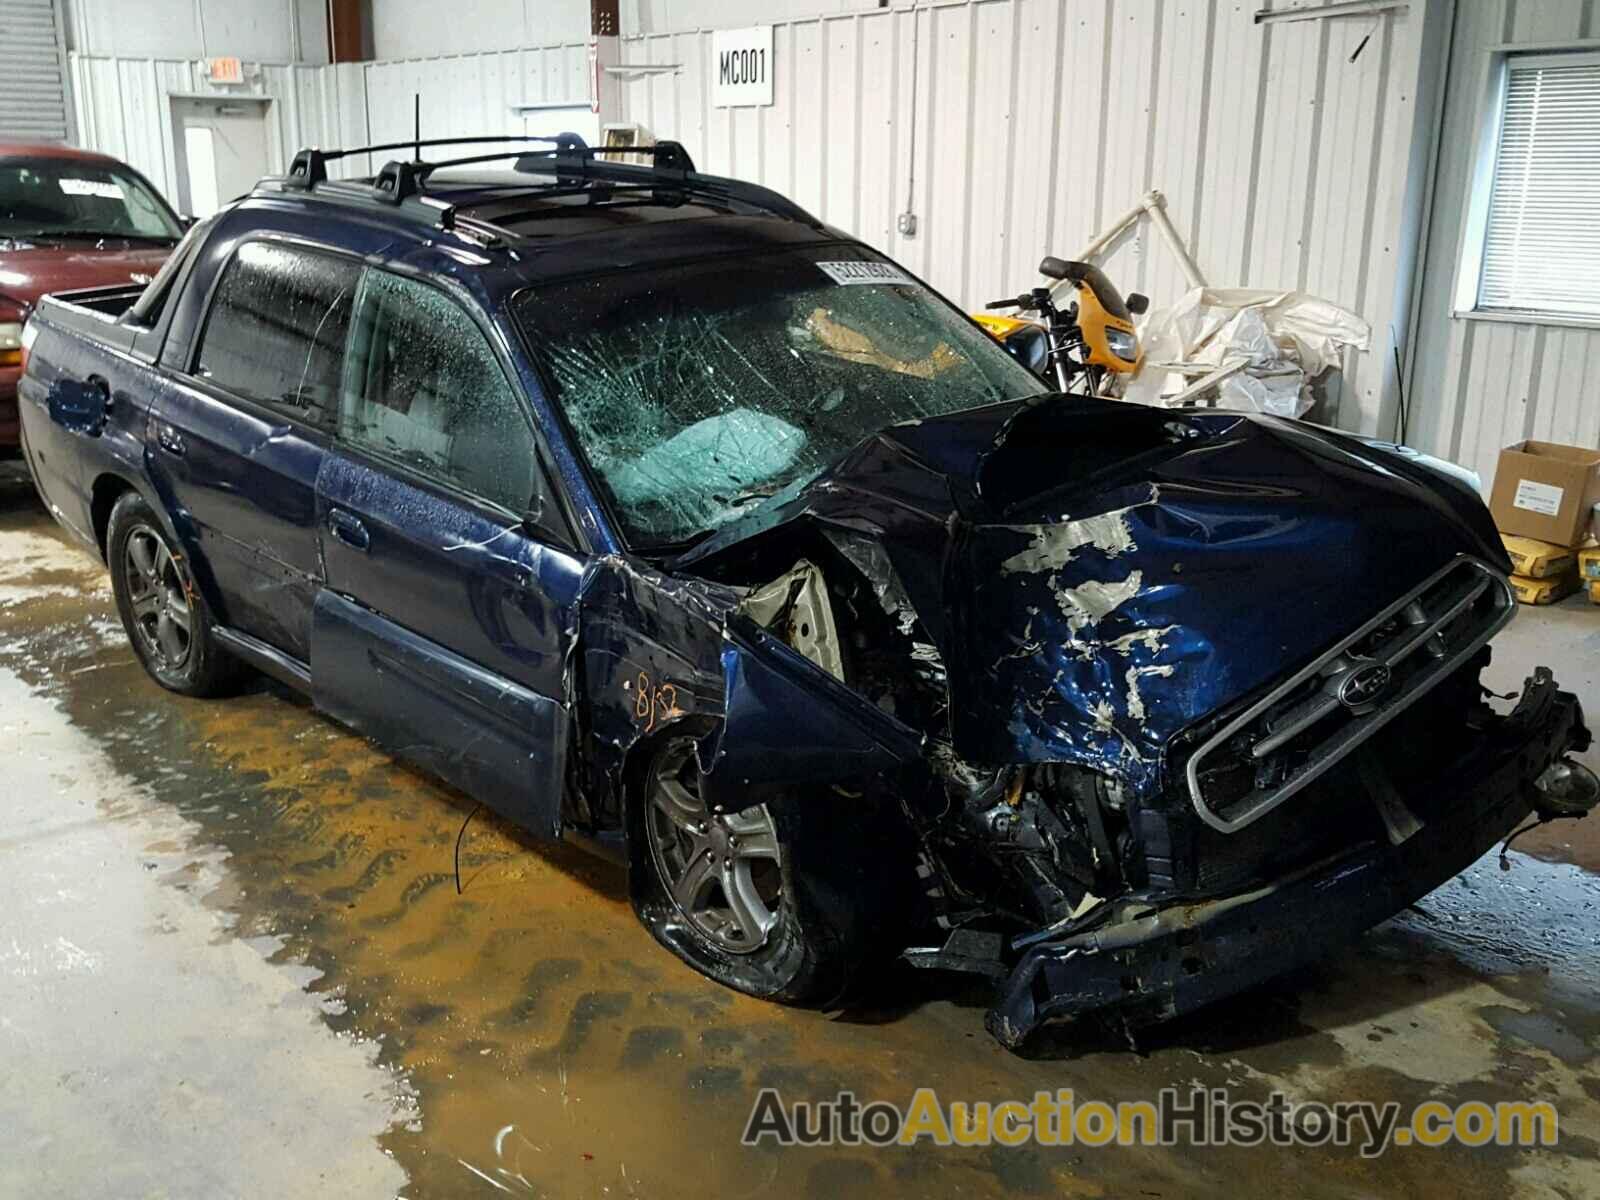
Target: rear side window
x=425, y=390
x=277, y=328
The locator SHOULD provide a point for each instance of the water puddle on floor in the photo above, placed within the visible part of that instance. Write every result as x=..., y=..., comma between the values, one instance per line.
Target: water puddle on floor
x=555, y=1050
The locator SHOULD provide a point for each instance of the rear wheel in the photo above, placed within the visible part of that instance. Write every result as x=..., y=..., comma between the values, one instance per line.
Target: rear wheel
x=758, y=898
x=165, y=616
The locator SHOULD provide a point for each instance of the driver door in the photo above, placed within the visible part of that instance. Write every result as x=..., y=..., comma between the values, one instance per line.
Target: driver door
x=444, y=628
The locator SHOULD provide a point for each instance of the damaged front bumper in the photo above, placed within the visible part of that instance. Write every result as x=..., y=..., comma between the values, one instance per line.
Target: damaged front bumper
x=1150, y=961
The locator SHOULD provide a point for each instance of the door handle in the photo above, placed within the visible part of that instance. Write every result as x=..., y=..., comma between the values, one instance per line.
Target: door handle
x=170, y=440
x=348, y=530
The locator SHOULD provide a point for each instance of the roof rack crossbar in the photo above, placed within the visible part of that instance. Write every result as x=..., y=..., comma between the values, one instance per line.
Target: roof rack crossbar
x=513, y=216
x=310, y=166
x=570, y=159
x=398, y=180
x=330, y=155
x=450, y=220
x=552, y=191
x=672, y=168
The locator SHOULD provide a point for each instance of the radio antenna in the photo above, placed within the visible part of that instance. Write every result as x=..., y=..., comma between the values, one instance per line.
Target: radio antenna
x=416, y=127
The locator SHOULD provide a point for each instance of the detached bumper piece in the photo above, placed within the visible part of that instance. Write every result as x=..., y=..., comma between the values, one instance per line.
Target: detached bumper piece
x=1151, y=961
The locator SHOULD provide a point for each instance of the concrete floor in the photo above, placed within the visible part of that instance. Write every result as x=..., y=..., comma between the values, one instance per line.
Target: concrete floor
x=232, y=962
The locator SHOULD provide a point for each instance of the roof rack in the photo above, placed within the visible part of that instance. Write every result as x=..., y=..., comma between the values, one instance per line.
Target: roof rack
x=571, y=160
x=310, y=166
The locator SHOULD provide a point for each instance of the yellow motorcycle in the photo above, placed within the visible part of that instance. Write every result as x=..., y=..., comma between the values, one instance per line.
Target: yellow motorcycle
x=1078, y=347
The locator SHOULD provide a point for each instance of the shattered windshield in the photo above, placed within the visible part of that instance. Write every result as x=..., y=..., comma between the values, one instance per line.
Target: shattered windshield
x=698, y=391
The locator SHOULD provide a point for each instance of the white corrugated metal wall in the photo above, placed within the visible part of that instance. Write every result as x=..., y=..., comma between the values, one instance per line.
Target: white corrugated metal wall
x=1038, y=122
x=472, y=94
x=123, y=104
x=1034, y=124
x=123, y=108
x=1482, y=384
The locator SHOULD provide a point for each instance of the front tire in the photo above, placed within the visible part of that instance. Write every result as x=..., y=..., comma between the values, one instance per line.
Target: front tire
x=165, y=616
x=762, y=900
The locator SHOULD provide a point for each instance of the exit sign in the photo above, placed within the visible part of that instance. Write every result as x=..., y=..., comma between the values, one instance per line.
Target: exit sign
x=741, y=67
x=226, y=70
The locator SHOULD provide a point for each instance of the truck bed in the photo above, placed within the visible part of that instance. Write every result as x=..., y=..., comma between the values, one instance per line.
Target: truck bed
x=94, y=313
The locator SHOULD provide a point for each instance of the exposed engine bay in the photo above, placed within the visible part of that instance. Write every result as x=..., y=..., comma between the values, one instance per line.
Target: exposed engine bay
x=1048, y=834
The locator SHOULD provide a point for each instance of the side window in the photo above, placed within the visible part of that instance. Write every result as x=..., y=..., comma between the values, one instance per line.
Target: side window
x=425, y=389
x=277, y=327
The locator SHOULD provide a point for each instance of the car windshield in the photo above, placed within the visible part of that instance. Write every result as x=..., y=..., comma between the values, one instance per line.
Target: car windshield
x=698, y=391
x=68, y=198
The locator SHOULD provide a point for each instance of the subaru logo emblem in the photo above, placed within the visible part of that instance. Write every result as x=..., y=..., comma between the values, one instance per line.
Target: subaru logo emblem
x=1365, y=685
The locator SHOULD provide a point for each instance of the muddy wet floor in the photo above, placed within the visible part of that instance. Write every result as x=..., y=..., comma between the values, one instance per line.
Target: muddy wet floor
x=526, y=1037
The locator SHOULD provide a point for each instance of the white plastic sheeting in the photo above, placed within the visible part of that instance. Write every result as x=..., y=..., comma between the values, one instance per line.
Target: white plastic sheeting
x=1285, y=339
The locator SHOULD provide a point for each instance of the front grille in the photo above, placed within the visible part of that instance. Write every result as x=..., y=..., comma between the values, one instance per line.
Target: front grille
x=1333, y=813
x=1304, y=726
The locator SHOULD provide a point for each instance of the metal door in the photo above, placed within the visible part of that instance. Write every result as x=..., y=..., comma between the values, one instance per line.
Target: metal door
x=222, y=150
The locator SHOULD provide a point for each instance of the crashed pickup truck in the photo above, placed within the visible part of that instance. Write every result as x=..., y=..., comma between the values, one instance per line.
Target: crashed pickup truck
x=647, y=509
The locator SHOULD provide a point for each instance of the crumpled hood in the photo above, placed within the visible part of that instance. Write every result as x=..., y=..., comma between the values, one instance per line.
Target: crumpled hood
x=1098, y=575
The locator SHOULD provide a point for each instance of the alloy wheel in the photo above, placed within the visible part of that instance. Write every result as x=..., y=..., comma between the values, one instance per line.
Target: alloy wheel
x=723, y=870
x=163, y=613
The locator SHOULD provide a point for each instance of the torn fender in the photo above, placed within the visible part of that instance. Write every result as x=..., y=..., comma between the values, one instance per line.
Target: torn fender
x=786, y=722
x=646, y=657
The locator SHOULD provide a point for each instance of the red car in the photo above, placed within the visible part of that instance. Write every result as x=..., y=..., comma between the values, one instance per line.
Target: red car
x=69, y=219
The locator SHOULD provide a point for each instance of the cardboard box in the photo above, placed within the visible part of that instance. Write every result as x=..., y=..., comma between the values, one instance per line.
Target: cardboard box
x=1589, y=565
x=1543, y=591
x=1547, y=491
x=1539, y=560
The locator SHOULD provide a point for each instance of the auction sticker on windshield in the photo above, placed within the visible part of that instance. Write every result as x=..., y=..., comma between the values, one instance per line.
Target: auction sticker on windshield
x=864, y=272
x=101, y=189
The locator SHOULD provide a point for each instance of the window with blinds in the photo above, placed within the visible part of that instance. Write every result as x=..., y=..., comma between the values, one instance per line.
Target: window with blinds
x=1541, y=250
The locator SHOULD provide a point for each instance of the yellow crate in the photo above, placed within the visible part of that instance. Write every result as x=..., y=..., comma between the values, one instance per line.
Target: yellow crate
x=1589, y=564
x=1533, y=559
x=1543, y=591
x=1594, y=591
